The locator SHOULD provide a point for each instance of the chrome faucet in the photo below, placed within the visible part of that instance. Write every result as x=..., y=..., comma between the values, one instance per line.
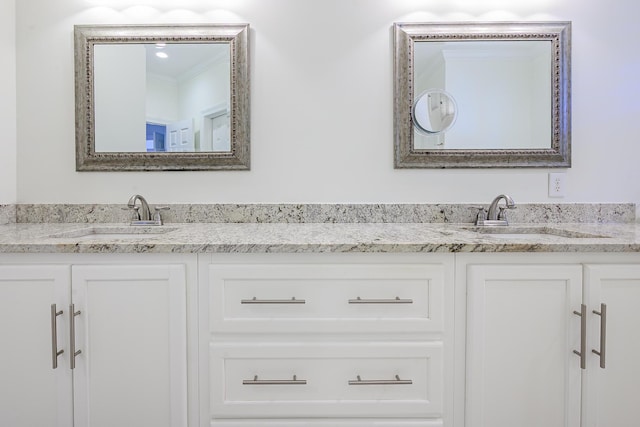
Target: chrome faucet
x=145, y=214
x=495, y=215
x=142, y=213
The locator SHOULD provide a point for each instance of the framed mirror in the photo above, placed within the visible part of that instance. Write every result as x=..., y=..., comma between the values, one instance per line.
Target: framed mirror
x=482, y=95
x=162, y=97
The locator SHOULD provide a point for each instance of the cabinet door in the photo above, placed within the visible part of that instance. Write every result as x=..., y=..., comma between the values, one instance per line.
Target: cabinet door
x=521, y=333
x=131, y=332
x=32, y=392
x=611, y=394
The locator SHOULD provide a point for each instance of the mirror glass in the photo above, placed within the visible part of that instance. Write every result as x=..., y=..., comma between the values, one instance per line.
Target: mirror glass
x=499, y=95
x=162, y=98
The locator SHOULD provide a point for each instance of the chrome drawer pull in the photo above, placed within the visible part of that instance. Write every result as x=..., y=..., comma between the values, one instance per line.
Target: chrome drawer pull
x=256, y=381
x=583, y=336
x=603, y=334
x=72, y=333
x=397, y=300
x=397, y=381
x=54, y=335
x=255, y=300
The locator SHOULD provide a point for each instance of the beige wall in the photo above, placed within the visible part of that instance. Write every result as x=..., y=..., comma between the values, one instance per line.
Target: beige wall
x=321, y=103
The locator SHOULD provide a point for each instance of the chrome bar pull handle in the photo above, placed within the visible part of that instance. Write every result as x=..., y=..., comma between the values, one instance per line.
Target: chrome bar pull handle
x=72, y=335
x=54, y=335
x=256, y=381
x=396, y=381
x=583, y=336
x=255, y=300
x=603, y=334
x=396, y=300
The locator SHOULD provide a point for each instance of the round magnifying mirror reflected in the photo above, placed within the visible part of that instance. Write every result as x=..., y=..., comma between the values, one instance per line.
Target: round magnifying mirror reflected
x=434, y=112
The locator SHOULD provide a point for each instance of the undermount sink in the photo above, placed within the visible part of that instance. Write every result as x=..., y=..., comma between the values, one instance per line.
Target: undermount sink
x=112, y=233
x=509, y=232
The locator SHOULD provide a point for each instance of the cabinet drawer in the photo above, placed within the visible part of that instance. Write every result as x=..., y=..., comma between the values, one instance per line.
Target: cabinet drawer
x=326, y=298
x=321, y=380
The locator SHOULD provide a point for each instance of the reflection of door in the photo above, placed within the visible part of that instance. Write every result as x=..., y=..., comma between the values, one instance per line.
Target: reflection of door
x=158, y=141
x=155, y=137
x=180, y=136
x=215, y=135
x=220, y=133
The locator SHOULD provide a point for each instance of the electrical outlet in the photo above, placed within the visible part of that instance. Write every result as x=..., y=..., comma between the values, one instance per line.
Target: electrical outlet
x=557, y=184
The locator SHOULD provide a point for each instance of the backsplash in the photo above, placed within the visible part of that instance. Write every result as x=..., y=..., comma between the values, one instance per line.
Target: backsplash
x=322, y=213
x=7, y=214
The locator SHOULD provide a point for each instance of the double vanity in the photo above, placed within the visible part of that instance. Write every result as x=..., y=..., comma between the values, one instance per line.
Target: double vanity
x=320, y=324
x=316, y=315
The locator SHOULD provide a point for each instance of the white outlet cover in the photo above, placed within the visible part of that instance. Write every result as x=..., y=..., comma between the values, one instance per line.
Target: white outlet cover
x=557, y=184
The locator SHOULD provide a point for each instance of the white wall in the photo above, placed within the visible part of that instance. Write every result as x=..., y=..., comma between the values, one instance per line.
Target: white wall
x=8, y=103
x=321, y=103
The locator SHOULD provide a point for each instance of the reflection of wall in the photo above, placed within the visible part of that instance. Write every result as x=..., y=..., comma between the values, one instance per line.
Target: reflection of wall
x=541, y=122
x=170, y=100
x=485, y=100
x=162, y=99
x=486, y=85
x=119, y=85
x=433, y=77
x=201, y=92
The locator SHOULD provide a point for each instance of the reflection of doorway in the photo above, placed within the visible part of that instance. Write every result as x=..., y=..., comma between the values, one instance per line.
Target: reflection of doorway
x=215, y=130
x=220, y=133
x=156, y=135
x=180, y=136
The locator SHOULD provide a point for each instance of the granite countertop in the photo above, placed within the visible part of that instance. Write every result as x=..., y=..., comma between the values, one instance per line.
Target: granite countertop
x=314, y=237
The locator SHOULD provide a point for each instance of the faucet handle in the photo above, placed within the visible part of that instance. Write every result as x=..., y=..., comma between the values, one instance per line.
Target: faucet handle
x=502, y=214
x=481, y=217
x=157, y=217
x=135, y=213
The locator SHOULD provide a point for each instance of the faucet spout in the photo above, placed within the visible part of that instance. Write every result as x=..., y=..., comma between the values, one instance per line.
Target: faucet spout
x=495, y=215
x=492, y=213
x=145, y=212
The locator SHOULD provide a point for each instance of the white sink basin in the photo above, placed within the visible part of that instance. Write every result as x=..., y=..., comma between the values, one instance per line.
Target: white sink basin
x=511, y=232
x=98, y=233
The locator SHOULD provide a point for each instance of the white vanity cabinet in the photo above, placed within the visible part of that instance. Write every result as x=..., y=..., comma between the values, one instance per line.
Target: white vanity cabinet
x=326, y=339
x=32, y=393
x=521, y=334
x=320, y=340
x=524, y=328
x=129, y=334
x=611, y=393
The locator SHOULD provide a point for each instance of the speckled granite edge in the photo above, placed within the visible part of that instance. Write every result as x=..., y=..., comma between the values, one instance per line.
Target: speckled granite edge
x=317, y=238
x=7, y=214
x=327, y=213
